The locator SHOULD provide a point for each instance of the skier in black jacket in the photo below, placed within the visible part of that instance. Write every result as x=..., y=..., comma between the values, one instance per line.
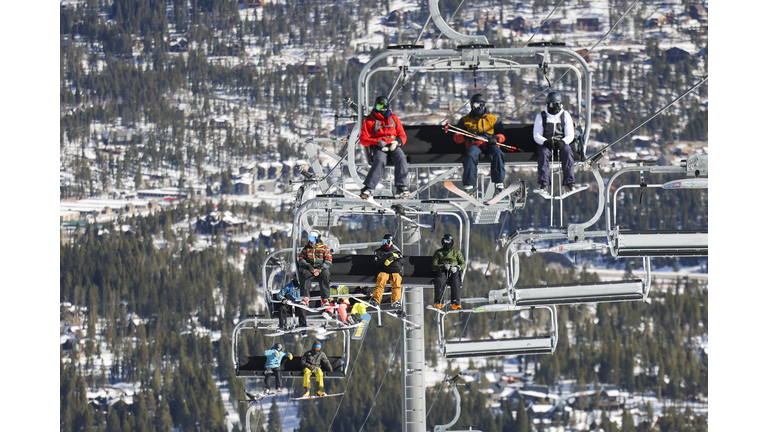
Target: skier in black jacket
x=389, y=263
x=313, y=362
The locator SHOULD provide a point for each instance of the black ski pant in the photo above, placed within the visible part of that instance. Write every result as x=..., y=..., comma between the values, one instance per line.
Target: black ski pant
x=443, y=278
x=379, y=161
x=278, y=377
x=324, y=279
x=285, y=311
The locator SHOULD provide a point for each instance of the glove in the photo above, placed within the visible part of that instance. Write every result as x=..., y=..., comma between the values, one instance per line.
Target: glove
x=447, y=267
x=392, y=146
x=283, y=300
x=290, y=356
x=559, y=144
x=399, y=141
x=454, y=269
x=458, y=138
x=493, y=140
x=548, y=144
x=382, y=146
x=388, y=262
x=316, y=272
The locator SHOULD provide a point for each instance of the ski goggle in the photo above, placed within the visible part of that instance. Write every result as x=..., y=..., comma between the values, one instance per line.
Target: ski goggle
x=386, y=241
x=317, y=347
x=381, y=107
x=312, y=239
x=478, y=105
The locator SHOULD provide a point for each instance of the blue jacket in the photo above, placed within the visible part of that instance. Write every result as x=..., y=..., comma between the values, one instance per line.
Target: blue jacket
x=273, y=358
x=290, y=292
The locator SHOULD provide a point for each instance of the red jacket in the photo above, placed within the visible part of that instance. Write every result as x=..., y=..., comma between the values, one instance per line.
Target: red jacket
x=378, y=128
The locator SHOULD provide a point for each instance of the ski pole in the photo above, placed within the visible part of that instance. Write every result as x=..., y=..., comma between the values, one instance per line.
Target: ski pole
x=454, y=129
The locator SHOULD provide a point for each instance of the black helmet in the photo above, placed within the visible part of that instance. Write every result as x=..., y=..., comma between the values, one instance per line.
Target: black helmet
x=381, y=105
x=554, y=102
x=447, y=241
x=387, y=240
x=278, y=346
x=477, y=105
x=295, y=282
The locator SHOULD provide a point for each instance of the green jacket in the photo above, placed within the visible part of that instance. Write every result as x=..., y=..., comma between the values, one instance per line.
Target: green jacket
x=451, y=256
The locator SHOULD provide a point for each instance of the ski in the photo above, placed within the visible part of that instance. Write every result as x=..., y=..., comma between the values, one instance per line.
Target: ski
x=307, y=308
x=508, y=190
x=293, y=331
x=258, y=397
x=394, y=315
x=576, y=189
x=385, y=209
x=686, y=184
x=435, y=309
x=545, y=192
x=359, y=333
x=455, y=189
x=571, y=247
x=316, y=397
x=340, y=328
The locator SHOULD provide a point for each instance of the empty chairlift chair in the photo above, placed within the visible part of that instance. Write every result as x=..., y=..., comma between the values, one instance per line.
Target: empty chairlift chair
x=498, y=347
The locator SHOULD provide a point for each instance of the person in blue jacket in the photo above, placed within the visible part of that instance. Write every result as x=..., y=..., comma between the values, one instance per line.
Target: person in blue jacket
x=290, y=292
x=272, y=366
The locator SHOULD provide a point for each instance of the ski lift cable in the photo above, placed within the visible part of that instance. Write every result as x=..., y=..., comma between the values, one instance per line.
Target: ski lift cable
x=543, y=21
x=341, y=399
x=438, y=390
x=394, y=91
x=290, y=401
x=487, y=269
x=588, y=51
x=391, y=358
x=600, y=152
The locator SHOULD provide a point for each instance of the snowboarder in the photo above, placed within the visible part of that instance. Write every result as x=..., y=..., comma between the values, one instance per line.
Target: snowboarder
x=290, y=293
x=448, y=262
x=313, y=362
x=389, y=263
x=272, y=366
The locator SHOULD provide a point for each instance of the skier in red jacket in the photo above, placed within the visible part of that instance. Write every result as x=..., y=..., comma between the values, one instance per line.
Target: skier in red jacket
x=383, y=134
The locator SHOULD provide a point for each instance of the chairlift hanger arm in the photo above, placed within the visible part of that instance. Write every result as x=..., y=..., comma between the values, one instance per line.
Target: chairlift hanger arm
x=605, y=196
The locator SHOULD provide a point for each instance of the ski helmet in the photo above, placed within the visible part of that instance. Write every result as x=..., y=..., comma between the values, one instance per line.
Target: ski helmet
x=387, y=240
x=477, y=105
x=381, y=105
x=554, y=102
x=295, y=282
x=317, y=346
x=278, y=346
x=313, y=236
x=447, y=241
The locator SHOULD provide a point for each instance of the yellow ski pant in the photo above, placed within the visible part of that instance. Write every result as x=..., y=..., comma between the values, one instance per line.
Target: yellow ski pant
x=318, y=374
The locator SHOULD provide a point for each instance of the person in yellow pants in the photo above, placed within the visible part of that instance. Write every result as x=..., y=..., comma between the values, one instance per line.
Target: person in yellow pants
x=314, y=361
x=389, y=263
